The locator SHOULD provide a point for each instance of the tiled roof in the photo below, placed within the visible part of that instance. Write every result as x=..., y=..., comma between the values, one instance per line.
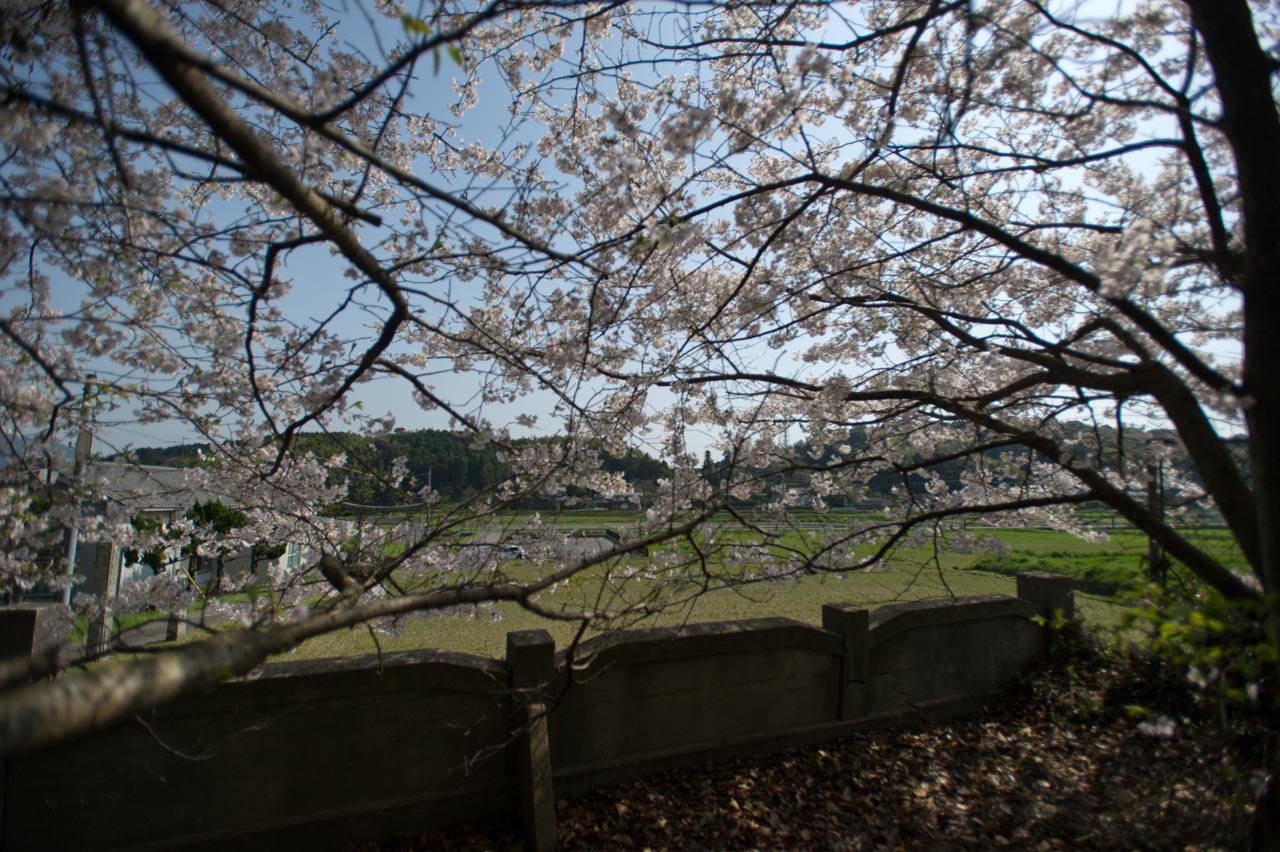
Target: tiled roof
x=147, y=486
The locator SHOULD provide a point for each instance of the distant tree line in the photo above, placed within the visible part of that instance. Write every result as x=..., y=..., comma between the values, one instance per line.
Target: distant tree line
x=450, y=463
x=455, y=468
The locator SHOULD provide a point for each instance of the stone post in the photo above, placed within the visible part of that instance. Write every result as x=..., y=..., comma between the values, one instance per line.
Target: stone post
x=106, y=576
x=1052, y=595
x=175, y=626
x=32, y=637
x=30, y=628
x=531, y=659
x=854, y=624
x=17, y=632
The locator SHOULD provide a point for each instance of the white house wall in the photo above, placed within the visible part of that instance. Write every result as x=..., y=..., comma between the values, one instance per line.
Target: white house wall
x=103, y=570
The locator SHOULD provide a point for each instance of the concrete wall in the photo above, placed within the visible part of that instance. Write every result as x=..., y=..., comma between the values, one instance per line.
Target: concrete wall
x=933, y=652
x=306, y=756
x=312, y=755
x=646, y=699
x=30, y=629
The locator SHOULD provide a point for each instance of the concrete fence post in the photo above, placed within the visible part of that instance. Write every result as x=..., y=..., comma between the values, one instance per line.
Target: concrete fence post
x=531, y=658
x=854, y=624
x=1052, y=595
x=27, y=630
x=175, y=626
x=17, y=632
x=106, y=578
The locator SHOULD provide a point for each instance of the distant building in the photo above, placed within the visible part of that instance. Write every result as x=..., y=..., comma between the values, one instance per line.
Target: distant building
x=161, y=495
x=797, y=498
x=628, y=500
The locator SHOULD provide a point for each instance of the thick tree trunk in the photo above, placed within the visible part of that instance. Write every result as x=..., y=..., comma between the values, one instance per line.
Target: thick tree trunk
x=1243, y=75
x=1251, y=123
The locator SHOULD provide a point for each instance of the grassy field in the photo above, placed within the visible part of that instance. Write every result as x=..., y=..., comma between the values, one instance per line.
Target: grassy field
x=911, y=574
x=801, y=600
x=931, y=570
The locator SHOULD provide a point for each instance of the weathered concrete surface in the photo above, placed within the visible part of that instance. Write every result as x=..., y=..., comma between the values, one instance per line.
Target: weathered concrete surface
x=304, y=756
x=931, y=651
x=1051, y=593
x=30, y=628
x=531, y=660
x=647, y=697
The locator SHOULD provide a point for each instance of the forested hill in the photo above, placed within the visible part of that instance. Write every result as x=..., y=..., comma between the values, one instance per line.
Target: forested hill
x=448, y=461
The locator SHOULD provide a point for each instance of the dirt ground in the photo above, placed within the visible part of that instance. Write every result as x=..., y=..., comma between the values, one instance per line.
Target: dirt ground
x=1062, y=763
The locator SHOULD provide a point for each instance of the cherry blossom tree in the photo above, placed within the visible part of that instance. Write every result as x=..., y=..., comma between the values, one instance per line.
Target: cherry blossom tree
x=953, y=230
x=174, y=176
x=957, y=225
x=922, y=234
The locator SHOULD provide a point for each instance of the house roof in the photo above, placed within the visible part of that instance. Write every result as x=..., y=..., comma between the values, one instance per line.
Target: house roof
x=148, y=487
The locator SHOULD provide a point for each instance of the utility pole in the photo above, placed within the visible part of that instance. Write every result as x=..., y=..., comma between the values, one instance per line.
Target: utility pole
x=1155, y=505
x=84, y=446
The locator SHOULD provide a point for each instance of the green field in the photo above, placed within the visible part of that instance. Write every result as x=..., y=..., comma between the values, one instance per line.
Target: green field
x=801, y=600
x=914, y=573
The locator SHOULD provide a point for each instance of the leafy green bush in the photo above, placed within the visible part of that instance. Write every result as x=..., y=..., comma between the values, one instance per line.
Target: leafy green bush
x=1009, y=564
x=1099, y=573
x=1219, y=646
